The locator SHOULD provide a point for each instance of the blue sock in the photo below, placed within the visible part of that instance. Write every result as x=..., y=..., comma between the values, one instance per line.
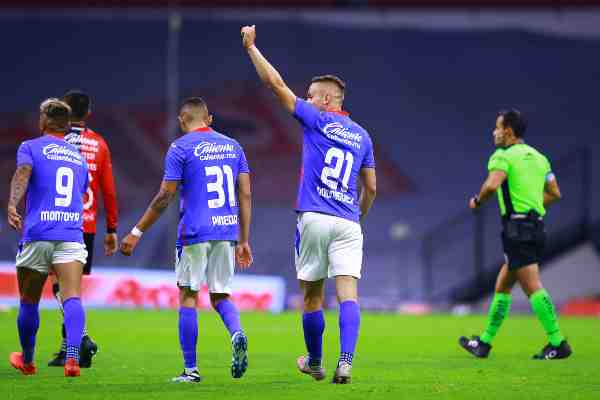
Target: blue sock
x=74, y=323
x=188, y=335
x=230, y=316
x=349, y=321
x=28, y=323
x=314, y=326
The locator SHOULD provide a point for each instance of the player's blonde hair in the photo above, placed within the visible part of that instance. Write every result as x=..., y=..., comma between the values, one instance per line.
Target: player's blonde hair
x=57, y=113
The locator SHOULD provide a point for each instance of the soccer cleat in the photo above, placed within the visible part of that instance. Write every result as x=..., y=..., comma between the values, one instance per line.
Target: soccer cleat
x=475, y=346
x=318, y=373
x=87, y=350
x=58, y=360
x=72, y=368
x=239, y=357
x=16, y=360
x=192, y=377
x=550, y=352
x=343, y=373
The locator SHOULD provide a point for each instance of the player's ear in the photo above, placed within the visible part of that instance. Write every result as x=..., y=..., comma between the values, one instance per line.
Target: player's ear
x=209, y=120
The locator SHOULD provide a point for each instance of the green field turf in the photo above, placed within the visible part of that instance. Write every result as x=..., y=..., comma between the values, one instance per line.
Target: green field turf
x=399, y=357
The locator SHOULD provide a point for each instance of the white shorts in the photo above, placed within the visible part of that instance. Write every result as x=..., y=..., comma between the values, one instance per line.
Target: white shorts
x=212, y=263
x=41, y=255
x=327, y=246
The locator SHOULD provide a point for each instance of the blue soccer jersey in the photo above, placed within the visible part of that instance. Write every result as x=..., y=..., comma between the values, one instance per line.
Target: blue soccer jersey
x=59, y=179
x=207, y=165
x=335, y=149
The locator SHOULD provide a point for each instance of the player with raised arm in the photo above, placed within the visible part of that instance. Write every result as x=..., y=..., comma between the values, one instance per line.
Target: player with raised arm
x=214, y=228
x=525, y=185
x=337, y=152
x=55, y=177
x=97, y=154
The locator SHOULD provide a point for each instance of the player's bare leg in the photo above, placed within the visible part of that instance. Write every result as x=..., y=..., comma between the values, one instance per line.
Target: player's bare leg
x=188, y=335
x=69, y=280
x=349, y=321
x=222, y=304
x=31, y=283
x=499, y=308
x=313, y=323
x=543, y=307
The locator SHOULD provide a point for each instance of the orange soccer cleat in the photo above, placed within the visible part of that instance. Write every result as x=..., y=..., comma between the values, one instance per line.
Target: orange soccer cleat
x=72, y=368
x=16, y=360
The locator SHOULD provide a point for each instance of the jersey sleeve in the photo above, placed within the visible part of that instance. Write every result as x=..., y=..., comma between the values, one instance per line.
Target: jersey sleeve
x=369, y=159
x=306, y=113
x=109, y=192
x=243, y=165
x=24, y=156
x=174, y=163
x=498, y=162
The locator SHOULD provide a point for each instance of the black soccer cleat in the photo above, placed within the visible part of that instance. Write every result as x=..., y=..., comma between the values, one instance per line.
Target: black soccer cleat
x=59, y=359
x=87, y=350
x=475, y=346
x=549, y=352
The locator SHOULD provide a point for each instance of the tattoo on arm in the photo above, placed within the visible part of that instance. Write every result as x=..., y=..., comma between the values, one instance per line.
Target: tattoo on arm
x=161, y=201
x=18, y=185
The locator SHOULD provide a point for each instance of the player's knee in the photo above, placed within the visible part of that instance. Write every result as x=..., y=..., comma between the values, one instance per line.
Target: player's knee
x=530, y=287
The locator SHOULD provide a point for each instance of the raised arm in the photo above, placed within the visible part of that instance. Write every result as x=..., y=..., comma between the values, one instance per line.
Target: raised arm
x=368, y=191
x=18, y=188
x=267, y=73
x=158, y=205
x=243, y=252
x=551, y=191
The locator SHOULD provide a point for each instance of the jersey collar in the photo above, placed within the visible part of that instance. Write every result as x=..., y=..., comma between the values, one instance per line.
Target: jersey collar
x=340, y=112
x=205, y=129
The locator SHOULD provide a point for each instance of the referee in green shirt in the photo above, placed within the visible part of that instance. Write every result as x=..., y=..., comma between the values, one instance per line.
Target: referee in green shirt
x=525, y=184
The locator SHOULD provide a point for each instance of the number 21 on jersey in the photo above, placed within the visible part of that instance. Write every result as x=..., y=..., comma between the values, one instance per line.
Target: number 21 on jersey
x=335, y=160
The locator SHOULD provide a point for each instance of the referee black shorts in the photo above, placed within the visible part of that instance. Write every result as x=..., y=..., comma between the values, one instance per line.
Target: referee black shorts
x=523, y=242
x=88, y=239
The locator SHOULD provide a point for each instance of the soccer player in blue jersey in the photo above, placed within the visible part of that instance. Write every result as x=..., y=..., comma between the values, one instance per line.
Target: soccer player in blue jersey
x=336, y=153
x=214, y=228
x=55, y=177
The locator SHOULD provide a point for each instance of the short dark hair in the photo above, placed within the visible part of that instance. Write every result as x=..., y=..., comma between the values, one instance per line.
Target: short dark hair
x=514, y=119
x=195, y=107
x=80, y=103
x=332, y=79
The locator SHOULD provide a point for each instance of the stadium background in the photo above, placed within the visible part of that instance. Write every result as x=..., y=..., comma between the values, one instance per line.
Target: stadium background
x=425, y=81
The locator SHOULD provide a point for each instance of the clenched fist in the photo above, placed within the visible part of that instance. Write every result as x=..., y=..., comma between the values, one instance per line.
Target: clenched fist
x=248, y=36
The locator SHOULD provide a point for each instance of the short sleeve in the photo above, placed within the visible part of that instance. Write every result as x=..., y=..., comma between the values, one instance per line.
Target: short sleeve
x=306, y=113
x=174, y=163
x=24, y=156
x=498, y=162
x=243, y=165
x=369, y=160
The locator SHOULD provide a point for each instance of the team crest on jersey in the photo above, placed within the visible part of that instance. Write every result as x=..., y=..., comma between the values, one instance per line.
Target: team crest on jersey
x=338, y=132
x=57, y=152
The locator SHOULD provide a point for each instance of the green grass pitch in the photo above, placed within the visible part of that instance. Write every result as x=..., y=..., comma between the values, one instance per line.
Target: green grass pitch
x=398, y=357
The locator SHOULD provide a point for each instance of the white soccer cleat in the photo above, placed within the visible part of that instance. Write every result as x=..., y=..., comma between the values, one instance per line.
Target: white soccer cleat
x=317, y=373
x=185, y=377
x=343, y=373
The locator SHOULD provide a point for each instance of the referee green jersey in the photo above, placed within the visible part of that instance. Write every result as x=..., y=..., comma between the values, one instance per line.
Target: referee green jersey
x=526, y=172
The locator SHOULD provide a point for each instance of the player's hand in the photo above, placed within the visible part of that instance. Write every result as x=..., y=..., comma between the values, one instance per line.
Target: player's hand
x=14, y=218
x=248, y=36
x=128, y=244
x=111, y=244
x=243, y=255
x=474, y=203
